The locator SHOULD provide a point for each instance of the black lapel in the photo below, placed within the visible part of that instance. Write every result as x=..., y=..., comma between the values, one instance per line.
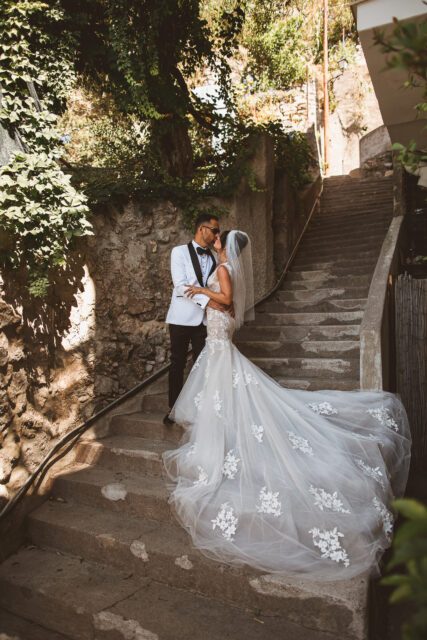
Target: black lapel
x=196, y=263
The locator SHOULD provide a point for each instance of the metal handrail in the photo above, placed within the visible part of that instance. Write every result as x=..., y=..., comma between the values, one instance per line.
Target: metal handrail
x=75, y=434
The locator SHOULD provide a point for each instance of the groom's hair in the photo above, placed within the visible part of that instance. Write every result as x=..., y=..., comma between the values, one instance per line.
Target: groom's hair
x=204, y=217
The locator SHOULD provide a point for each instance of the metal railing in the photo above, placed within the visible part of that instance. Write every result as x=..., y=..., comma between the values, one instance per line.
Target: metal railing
x=72, y=437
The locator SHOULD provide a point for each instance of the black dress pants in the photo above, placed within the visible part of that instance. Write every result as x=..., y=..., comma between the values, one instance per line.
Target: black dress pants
x=180, y=337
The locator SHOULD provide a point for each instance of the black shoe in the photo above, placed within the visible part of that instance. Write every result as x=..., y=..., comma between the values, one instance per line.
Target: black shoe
x=168, y=421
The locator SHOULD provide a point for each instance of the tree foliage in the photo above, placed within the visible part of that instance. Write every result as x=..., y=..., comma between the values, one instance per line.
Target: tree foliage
x=406, y=49
x=410, y=554
x=40, y=211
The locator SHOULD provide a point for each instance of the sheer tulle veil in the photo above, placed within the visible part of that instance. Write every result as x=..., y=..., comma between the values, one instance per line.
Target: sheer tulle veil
x=239, y=256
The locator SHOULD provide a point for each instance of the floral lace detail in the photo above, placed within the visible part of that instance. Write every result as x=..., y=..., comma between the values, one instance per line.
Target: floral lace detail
x=325, y=500
x=236, y=378
x=384, y=417
x=217, y=404
x=226, y=521
x=386, y=517
x=328, y=543
x=323, y=408
x=300, y=443
x=196, y=365
x=257, y=432
x=372, y=472
x=249, y=378
x=230, y=466
x=198, y=400
x=203, y=477
x=216, y=344
x=270, y=502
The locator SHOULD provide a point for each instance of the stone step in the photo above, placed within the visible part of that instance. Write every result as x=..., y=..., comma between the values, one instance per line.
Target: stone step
x=298, y=333
x=119, y=491
x=338, y=223
x=330, y=264
x=163, y=552
x=325, y=275
x=15, y=628
x=299, y=306
x=375, y=202
x=306, y=281
x=316, y=232
x=326, y=348
x=318, y=384
x=124, y=453
x=319, y=295
x=148, y=424
x=311, y=367
x=155, y=402
x=310, y=243
x=329, y=253
x=338, y=238
x=326, y=317
x=85, y=600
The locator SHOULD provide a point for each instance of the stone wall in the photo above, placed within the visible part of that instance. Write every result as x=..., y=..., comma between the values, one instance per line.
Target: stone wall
x=102, y=329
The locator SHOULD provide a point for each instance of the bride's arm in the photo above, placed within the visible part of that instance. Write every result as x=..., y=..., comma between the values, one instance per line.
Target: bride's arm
x=225, y=296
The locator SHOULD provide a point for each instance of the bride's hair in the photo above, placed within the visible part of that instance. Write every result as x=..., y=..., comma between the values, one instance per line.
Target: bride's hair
x=241, y=240
x=237, y=244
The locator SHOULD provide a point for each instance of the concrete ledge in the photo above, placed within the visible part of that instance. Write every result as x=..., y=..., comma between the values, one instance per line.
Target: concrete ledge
x=374, y=327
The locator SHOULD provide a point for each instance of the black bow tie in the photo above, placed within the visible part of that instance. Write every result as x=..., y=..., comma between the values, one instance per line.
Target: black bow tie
x=201, y=251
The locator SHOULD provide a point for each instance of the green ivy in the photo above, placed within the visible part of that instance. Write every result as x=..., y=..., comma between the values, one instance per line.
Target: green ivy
x=40, y=211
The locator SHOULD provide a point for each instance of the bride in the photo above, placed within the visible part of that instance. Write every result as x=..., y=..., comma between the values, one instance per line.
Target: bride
x=287, y=481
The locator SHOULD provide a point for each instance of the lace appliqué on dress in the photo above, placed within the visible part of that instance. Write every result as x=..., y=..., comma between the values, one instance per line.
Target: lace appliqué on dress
x=329, y=544
x=383, y=416
x=249, y=378
x=325, y=500
x=270, y=502
x=372, y=472
x=323, y=408
x=300, y=443
x=196, y=365
x=198, y=400
x=257, y=432
x=203, y=477
x=386, y=517
x=217, y=404
x=216, y=344
x=236, y=378
x=230, y=466
x=226, y=521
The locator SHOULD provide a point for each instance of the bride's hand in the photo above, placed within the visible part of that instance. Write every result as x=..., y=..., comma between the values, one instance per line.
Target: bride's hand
x=192, y=290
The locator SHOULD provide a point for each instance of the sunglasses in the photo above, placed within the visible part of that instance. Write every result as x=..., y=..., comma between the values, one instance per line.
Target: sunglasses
x=213, y=229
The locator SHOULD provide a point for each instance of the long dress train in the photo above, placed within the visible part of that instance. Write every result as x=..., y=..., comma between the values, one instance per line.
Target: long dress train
x=287, y=481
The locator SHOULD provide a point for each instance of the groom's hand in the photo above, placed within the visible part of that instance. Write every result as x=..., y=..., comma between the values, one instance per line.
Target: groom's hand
x=218, y=306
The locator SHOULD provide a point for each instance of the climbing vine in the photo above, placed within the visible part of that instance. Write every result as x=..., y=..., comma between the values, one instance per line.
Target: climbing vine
x=40, y=212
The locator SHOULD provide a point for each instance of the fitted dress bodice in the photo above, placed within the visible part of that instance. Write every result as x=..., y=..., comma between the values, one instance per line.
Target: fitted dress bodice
x=221, y=325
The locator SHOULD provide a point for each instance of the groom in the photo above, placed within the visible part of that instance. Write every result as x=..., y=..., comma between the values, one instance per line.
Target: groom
x=191, y=264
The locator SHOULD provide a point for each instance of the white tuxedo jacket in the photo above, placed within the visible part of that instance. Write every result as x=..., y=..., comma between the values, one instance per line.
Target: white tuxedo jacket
x=184, y=310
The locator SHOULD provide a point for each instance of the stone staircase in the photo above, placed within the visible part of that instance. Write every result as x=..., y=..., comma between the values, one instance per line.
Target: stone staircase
x=106, y=560
x=307, y=334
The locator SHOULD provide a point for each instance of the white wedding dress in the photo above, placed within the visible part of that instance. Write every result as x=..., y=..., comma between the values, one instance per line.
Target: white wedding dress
x=287, y=481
